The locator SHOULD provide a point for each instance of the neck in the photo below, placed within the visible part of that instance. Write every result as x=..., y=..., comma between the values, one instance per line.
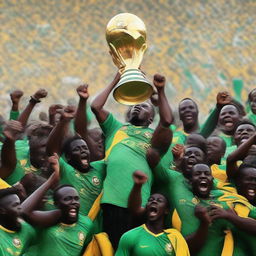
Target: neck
x=191, y=128
x=12, y=225
x=156, y=226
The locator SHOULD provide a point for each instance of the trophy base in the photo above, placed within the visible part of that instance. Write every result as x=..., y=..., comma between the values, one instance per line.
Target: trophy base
x=133, y=88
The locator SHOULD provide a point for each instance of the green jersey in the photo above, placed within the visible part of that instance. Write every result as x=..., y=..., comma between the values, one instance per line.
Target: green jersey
x=227, y=138
x=23, y=165
x=16, y=243
x=179, y=193
x=126, y=147
x=88, y=185
x=65, y=239
x=140, y=241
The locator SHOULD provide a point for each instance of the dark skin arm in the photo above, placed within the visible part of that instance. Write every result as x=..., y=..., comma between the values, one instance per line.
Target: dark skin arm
x=239, y=154
x=42, y=218
x=23, y=118
x=53, y=110
x=135, y=201
x=222, y=99
x=246, y=224
x=8, y=153
x=162, y=131
x=197, y=240
x=98, y=103
x=81, y=120
x=57, y=135
x=15, y=98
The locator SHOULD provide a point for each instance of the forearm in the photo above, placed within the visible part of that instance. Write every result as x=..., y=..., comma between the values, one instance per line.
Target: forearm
x=197, y=240
x=135, y=201
x=8, y=156
x=81, y=119
x=165, y=112
x=211, y=122
x=32, y=202
x=56, y=137
x=246, y=224
x=23, y=118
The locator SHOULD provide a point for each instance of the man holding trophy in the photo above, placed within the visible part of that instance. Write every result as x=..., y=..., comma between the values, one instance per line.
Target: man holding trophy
x=127, y=144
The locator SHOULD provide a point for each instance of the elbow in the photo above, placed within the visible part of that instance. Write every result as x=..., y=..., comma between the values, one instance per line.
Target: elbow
x=95, y=107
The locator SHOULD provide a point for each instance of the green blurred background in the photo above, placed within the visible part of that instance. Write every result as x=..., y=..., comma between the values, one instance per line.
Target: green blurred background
x=201, y=46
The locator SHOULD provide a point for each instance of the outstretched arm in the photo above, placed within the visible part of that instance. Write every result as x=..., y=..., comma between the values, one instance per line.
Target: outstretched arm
x=223, y=98
x=135, y=201
x=29, y=206
x=8, y=153
x=197, y=240
x=81, y=121
x=15, y=98
x=100, y=100
x=239, y=154
x=57, y=135
x=246, y=224
x=23, y=118
x=162, y=135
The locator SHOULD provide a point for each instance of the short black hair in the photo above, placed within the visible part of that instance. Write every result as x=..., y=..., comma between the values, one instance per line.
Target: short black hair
x=250, y=94
x=245, y=121
x=55, y=191
x=202, y=143
x=243, y=166
x=223, y=143
x=68, y=141
x=190, y=100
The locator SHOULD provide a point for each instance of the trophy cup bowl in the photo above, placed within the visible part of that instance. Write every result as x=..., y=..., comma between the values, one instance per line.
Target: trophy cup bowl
x=126, y=37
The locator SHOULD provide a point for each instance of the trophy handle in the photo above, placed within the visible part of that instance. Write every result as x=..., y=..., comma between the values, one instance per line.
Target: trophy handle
x=117, y=58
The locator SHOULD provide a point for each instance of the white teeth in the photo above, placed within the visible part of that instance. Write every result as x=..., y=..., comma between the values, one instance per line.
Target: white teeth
x=251, y=192
x=72, y=212
x=84, y=161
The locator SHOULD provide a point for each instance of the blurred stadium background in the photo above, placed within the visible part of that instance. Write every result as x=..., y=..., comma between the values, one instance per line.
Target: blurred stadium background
x=201, y=46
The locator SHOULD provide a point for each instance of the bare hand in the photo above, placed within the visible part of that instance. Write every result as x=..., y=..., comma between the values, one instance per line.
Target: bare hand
x=53, y=108
x=218, y=213
x=178, y=151
x=159, y=81
x=16, y=96
x=68, y=112
x=154, y=98
x=139, y=177
x=41, y=93
x=82, y=91
x=202, y=214
x=12, y=129
x=54, y=164
x=223, y=98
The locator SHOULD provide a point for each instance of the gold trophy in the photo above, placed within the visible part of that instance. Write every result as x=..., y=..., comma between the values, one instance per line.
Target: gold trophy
x=126, y=37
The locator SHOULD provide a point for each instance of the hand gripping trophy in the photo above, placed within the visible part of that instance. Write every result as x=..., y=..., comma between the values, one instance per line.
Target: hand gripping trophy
x=126, y=37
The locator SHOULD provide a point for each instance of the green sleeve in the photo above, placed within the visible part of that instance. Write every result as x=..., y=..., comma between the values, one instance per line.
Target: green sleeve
x=125, y=245
x=14, y=115
x=210, y=124
x=90, y=232
x=252, y=213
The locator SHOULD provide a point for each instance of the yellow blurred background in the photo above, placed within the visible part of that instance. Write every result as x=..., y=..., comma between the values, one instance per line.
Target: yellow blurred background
x=200, y=46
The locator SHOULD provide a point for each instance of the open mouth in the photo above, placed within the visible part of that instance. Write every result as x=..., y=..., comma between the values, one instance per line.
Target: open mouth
x=191, y=162
x=244, y=138
x=72, y=213
x=251, y=192
x=153, y=211
x=228, y=122
x=203, y=185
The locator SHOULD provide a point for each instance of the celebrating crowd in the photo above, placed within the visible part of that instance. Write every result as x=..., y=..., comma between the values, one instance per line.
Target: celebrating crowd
x=125, y=188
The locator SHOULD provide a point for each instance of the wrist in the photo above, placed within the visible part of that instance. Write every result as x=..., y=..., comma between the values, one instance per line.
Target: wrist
x=34, y=100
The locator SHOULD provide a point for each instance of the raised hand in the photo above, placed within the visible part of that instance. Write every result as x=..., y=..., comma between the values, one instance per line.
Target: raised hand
x=159, y=81
x=68, y=112
x=178, y=151
x=53, y=108
x=54, y=164
x=12, y=129
x=223, y=98
x=139, y=177
x=82, y=91
x=16, y=96
x=41, y=93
